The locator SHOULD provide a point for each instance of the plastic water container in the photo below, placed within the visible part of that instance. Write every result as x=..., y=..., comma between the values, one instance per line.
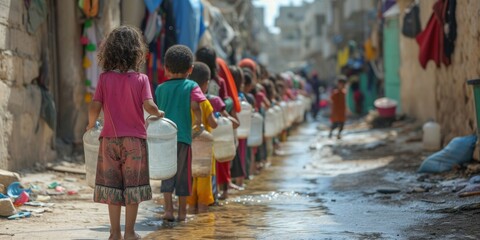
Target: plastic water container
x=91, y=144
x=245, y=118
x=202, y=152
x=162, y=147
x=285, y=113
x=255, y=138
x=278, y=119
x=300, y=110
x=224, y=140
x=270, y=123
x=432, y=136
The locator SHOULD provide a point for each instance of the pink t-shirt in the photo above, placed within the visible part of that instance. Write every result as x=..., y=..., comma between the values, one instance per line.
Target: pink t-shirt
x=122, y=96
x=197, y=95
x=217, y=103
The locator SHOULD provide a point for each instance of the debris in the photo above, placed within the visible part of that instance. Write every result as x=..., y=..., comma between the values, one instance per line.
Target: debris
x=457, y=152
x=473, y=168
x=461, y=208
x=20, y=215
x=59, y=189
x=43, y=198
x=388, y=190
x=470, y=190
x=68, y=169
x=72, y=192
x=22, y=198
x=418, y=190
x=6, y=207
x=7, y=178
x=70, y=179
x=53, y=185
x=15, y=189
x=39, y=204
x=433, y=201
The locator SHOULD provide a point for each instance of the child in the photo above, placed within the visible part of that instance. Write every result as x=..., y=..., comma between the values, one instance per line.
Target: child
x=122, y=92
x=202, y=195
x=223, y=169
x=178, y=97
x=339, y=107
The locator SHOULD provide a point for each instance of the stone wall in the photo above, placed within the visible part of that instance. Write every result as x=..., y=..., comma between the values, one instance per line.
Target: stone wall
x=25, y=139
x=442, y=93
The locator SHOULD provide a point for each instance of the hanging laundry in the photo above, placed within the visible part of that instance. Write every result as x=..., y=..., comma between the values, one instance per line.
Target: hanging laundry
x=370, y=51
x=153, y=26
x=89, y=63
x=342, y=57
x=450, y=27
x=36, y=14
x=152, y=5
x=221, y=32
x=431, y=40
x=89, y=7
x=189, y=22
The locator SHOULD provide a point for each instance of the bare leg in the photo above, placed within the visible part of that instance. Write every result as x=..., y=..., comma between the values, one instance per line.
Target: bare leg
x=114, y=212
x=192, y=209
x=239, y=182
x=168, y=207
x=225, y=191
x=182, y=209
x=131, y=211
x=202, y=208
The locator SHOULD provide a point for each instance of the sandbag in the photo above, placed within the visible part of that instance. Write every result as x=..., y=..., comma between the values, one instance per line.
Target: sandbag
x=458, y=151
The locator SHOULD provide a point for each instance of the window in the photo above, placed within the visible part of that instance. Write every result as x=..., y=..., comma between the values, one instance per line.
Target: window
x=319, y=22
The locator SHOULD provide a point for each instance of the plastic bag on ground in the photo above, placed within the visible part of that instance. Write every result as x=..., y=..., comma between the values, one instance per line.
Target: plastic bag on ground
x=458, y=151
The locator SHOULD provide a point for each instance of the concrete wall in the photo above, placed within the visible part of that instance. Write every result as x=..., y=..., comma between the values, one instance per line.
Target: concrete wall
x=25, y=139
x=442, y=93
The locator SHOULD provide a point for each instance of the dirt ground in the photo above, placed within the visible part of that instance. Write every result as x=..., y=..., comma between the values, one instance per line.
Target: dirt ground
x=364, y=186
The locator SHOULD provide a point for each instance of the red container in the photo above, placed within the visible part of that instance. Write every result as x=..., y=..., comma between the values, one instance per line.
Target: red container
x=386, y=107
x=387, y=112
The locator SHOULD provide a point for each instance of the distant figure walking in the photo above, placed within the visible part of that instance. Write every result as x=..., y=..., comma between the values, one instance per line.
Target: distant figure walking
x=339, y=107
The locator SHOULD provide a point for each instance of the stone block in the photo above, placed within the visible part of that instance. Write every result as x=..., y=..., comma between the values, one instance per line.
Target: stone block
x=23, y=43
x=30, y=70
x=4, y=14
x=11, y=69
x=6, y=207
x=4, y=37
x=7, y=177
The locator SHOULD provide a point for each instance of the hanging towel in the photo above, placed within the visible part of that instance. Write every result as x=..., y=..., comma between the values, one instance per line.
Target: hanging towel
x=189, y=20
x=431, y=40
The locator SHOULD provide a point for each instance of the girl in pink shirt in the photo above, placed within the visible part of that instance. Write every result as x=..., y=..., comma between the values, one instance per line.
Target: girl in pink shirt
x=122, y=93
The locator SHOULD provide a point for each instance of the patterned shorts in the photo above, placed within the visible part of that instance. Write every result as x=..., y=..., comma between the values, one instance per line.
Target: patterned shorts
x=122, y=171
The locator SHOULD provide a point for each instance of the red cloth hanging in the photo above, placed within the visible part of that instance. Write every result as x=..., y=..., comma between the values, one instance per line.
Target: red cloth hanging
x=224, y=72
x=431, y=39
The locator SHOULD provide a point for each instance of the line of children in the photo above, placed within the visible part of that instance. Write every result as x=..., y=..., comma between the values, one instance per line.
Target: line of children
x=123, y=93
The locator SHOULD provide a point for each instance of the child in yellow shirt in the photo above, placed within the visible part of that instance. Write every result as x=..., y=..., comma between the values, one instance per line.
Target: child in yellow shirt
x=202, y=194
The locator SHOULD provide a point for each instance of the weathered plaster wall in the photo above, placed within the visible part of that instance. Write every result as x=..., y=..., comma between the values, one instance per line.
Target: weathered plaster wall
x=25, y=139
x=442, y=93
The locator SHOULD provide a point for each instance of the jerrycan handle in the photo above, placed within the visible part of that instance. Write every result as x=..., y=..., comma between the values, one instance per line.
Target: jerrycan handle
x=197, y=130
x=155, y=118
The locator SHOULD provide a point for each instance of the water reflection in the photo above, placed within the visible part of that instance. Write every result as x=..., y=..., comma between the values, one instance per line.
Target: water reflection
x=276, y=203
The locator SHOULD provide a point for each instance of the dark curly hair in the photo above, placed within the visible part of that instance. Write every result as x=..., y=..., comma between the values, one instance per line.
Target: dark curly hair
x=178, y=59
x=208, y=56
x=238, y=77
x=200, y=73
x=123, y=49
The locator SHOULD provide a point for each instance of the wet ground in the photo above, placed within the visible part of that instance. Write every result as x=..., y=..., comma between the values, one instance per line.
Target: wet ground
x=315, y=189
x=361, y=187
